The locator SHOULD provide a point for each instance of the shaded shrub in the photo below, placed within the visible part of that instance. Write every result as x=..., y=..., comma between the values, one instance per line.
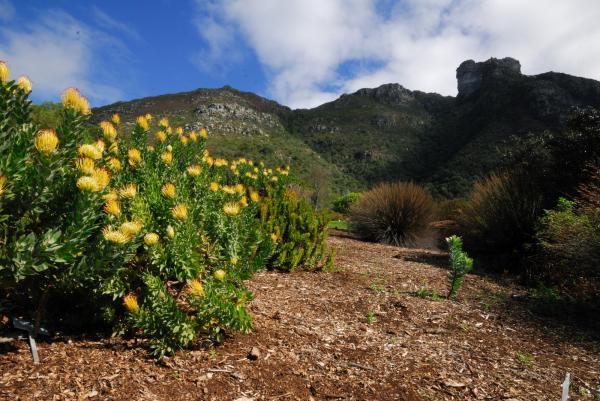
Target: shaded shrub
x=343, y=203
x=500, y=214
x=392, y=213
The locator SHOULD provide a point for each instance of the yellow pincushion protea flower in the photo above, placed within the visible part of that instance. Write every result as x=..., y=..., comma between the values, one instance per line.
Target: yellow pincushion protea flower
x=88, y=184
x=3, y=181
x=134, y=156
x=112, y=195
x=168, y=190
x=148, y=117
x=239, y=188
x=116, y=119
x=193, y=136
x=85, y=165
x=24, y=83
x=73, y=100
x=108, y=130
x=102, y=177
x=170, y=232
x=196, y=288
x=90, y=151
x=274, y=237
x=4, y=72
x=114, y=164
x=231, y=208
x=114, y=236
x=161, y=136
x=274, y=178
x=244, y=201
x=131, y=303
x=254, y=196
x=214, y=186
x=180, y=211
x=163, y=122
x=179, y=131
x=142, y=122
x=234, y=260
x=131, y=228
x=228, y=189
x=194, y=170
x=46, y=141
x=151, y=239
x=219, y=275
x=208, y=160
x=129, y=191
x=184, y=140
x=100, y=145
x=114, y=148
x=167, y=158
x=113, y=208
x=203, y=133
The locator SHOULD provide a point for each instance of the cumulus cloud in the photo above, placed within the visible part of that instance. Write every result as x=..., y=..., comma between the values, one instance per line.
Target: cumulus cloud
x=57, y=51
x=305, y=44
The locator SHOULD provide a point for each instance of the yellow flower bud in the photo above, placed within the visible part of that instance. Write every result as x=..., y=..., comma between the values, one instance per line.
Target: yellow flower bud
x=131, y=303
x=3, y=181
x=116, y=119
x=90, y=151
x=164, y=122
x=46, y=142
x=4, y=72
x=24, y=83
x=168, y=190
x=114, y=164
x=219, y=275
x=167, y=158
x=151, y=239
x=134, y=157
x=108, y=130
x=203, y=133
x=231, y=208
x=195, y=288
x=142, y=122
x=128, y=191
x=112, y=208
x=180, y=212
x=131, y=228
x=161, y=136
x=194, y=170
x=214, y=186
x=170, y=232
x=254, y=196
x=102, y=177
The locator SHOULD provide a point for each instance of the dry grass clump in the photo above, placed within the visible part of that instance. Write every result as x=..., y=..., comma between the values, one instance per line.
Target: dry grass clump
x=392, y=213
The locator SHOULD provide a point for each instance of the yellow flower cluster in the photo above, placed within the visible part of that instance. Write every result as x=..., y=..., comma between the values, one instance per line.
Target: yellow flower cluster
x=129, y=191
x=161, y=136
x=180, y=211
x=167, y=158
x=108, y=130
x=73, y=100
x=114, y=163
x=194, y=170
x=142, y=121
x=46, y=141
x=231, y=208
x=151, y=239
x=4, y=72
x=163, y=122
x=134, y=156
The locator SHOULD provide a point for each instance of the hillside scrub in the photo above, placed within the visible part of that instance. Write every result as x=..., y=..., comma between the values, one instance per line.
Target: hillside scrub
x=150, y=232
x=392, y=213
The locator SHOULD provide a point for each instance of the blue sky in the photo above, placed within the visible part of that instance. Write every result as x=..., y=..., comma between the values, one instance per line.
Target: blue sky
x=299, y=52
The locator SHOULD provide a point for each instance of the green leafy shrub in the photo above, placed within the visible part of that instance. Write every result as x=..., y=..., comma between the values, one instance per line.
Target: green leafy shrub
x=392, y=213
x=298, y=230
x=151, y=230
x=500, y=214
x=343, y=203
x=460, y=264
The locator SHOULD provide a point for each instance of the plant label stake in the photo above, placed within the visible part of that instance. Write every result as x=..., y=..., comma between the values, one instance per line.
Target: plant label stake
x=29, y=328
x=565, y=387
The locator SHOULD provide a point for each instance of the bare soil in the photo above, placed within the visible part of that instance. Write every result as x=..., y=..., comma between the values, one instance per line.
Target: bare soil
x=357, y=333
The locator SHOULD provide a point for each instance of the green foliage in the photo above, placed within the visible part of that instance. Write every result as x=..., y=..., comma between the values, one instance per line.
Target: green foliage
x=343, y=203
x=338, y=224
x=427, y=293
x=47, y=114
x=460, y=264
x=150, y=221
x=298, y=230
x=392, y=213
x=500, y=214
x=525, y=359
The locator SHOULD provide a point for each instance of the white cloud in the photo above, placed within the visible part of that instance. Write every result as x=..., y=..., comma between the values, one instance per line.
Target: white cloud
x=418, y=43
x=57, y=51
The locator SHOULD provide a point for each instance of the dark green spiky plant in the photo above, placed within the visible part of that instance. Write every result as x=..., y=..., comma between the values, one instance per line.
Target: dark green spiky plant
x=460, y=264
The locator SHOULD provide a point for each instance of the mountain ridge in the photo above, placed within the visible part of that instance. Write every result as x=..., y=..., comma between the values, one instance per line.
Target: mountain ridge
x=388, y=132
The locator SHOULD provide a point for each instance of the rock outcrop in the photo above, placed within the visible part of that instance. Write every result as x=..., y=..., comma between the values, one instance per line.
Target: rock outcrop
x=471, y=75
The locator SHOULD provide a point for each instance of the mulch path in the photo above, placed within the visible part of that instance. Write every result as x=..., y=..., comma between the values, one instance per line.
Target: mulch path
x=357, y=333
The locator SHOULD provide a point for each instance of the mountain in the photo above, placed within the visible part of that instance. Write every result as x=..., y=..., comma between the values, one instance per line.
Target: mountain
x=385, y=133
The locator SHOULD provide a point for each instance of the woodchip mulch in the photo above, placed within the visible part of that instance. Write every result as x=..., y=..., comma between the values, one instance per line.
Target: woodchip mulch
x=357, y=333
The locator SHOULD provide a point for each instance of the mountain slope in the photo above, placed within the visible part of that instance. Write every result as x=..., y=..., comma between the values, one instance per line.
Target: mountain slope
x=385, y=133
